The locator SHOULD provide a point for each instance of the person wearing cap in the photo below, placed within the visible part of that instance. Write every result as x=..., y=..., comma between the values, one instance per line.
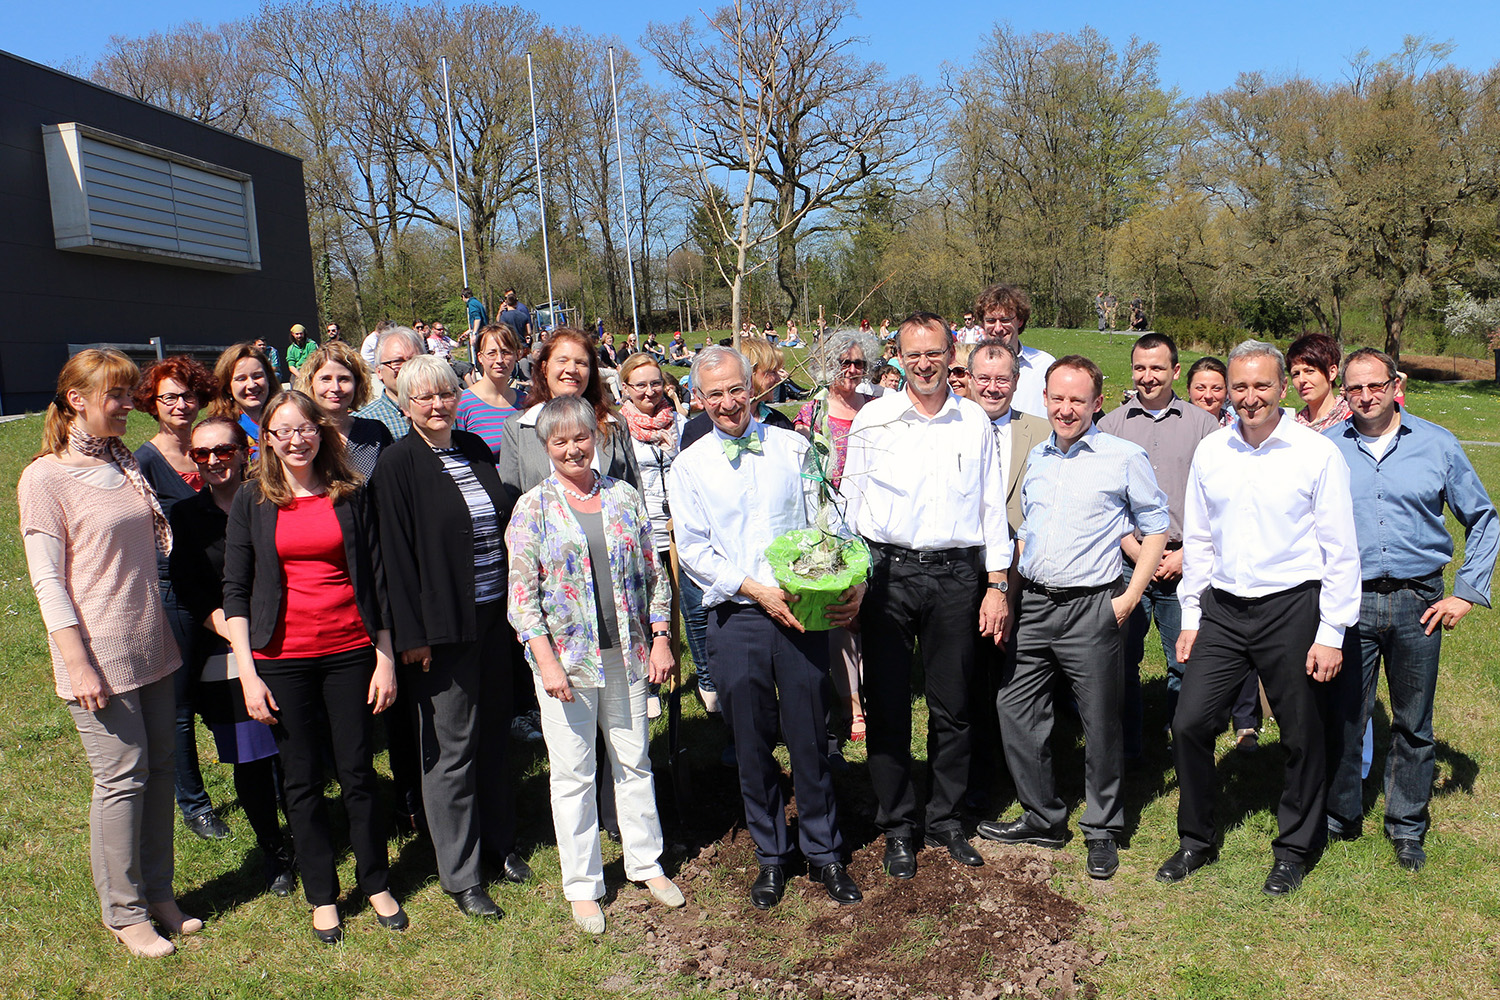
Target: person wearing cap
x=302, y=346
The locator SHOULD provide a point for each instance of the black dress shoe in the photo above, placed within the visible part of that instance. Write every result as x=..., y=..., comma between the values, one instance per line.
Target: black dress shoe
x=768, y=888
x=1104, y=857
x=475, y=902
x=900, y=859
x=515, y=869
x=1410, y=855
x=1182, y=864
x=835, y=878
x=333, y=935
x=208, y=825
x=281, y=881
x=958, y=846
x=1021, y=832
x=396, y=921
x=1285, y=878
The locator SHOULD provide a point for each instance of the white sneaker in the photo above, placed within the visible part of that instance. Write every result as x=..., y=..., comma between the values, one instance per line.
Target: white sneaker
x=653, y=706
x=710, y=700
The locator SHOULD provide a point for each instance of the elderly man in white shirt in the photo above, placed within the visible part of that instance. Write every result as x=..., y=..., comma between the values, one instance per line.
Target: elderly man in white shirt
x=1270, y=581
x=1003, y=311
x=734, y=491
x=925, y=489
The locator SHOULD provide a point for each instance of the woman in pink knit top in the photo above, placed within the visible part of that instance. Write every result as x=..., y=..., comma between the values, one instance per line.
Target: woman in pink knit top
x=92, y=529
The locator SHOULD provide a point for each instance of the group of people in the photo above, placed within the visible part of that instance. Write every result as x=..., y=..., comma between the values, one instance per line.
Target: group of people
x=302, y=560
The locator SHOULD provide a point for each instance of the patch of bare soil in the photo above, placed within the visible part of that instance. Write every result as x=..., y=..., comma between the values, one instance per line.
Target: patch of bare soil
x=1446, y=368
x=952, y=932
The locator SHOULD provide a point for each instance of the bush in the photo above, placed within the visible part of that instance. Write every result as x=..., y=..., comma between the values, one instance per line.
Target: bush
x=1205, y=335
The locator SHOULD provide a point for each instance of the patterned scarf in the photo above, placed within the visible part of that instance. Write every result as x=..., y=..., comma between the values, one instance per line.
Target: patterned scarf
x=660, y=430
x=84, y=443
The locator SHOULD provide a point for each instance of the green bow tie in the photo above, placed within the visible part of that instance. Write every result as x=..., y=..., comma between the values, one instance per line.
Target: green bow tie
x=735, y=447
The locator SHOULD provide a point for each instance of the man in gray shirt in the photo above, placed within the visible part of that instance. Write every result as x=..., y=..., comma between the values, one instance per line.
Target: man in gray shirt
x=1169, y=428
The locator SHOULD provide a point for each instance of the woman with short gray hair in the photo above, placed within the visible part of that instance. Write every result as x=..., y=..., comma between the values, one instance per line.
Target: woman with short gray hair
x=591, y=605
x=433, y=488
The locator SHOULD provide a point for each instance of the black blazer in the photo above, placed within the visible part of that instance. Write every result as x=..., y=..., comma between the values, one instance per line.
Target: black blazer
x=252, y=570
x=427, y=538
x=199, y=528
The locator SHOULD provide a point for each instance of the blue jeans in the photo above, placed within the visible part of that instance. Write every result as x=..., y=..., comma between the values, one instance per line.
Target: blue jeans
x=1159, y=604
x=695, y=627
x=1389, y=629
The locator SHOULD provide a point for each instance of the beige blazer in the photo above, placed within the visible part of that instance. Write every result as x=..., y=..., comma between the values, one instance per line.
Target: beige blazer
x=1026, y=432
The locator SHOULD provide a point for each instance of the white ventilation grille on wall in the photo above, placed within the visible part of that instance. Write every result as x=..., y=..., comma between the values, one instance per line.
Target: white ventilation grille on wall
x=122, y=198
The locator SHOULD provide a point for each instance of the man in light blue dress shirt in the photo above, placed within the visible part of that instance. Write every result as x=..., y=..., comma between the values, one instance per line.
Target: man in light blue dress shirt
x=1084, y=490
x=1402, y=471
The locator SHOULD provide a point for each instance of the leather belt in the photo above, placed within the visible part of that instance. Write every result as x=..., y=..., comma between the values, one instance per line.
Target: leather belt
x=1390, y=584
x=938, y=556
x=1059, y=595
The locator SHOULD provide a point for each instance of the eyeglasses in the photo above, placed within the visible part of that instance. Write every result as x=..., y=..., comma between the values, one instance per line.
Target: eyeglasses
x=1001, y=320
x=718, y=396
x=912, y=357
x=394, y=364
x=958, y=371
x=284, y=434
x=858, y=364
x=1374, y=388
x=998, y=381
x=644, y=386
x=493, y=355
x=428, y=398
x=173, y=398
x=223, y=452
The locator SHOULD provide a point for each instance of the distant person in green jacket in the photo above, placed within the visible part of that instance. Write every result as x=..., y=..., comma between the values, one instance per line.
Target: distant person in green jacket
x=300, y=348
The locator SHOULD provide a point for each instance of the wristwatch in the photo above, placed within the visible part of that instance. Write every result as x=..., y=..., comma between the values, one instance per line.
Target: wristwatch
x=1003, y=586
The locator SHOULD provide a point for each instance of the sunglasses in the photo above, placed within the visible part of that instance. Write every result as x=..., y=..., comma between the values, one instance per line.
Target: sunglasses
x=223, y=452
x=958, y=371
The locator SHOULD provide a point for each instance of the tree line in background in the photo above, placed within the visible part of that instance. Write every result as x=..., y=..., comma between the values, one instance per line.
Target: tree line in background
x=778, y=174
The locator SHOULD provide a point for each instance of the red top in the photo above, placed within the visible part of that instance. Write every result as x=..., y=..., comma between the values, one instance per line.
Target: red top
x=193, y=479
x=318, y=613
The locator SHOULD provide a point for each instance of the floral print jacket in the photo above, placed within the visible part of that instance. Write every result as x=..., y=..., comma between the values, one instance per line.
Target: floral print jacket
x=552, y=581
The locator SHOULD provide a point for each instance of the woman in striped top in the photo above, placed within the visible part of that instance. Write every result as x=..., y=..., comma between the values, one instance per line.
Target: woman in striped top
x=487, y=403
x=443, y=512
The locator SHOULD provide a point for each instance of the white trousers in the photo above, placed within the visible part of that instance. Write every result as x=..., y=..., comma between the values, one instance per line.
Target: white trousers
x=619, y=711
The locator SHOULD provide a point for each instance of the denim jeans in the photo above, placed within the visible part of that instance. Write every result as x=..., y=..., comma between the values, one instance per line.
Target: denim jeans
x=1159, y=604
x=695, y=627
x=1389, y=629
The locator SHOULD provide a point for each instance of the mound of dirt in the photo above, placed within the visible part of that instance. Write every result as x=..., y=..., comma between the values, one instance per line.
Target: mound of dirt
x=952, y=932
x=1445, y=369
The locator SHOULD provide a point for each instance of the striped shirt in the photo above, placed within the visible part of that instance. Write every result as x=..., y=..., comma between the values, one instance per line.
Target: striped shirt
x=1076, y=506
x=489, y=543
x=478, y=417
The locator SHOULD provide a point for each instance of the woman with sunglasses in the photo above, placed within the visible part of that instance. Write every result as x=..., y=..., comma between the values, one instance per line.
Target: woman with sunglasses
x=173, y=391
x=844, y=359
x=221, y=451
x=334, y=376
x=958, y=371
x=308, y=622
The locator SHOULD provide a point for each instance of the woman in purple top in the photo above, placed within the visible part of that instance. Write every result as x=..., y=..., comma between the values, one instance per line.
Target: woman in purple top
x=487, y=403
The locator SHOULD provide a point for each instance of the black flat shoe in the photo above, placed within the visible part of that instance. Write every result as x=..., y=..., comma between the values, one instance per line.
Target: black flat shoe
x=958, y=846
x=1104, y=858
x=835, y=878
x=208, y=825
x=1182, y=864
x=475, y=902
x=515, y=869
x=396, y=921
x=1021, y=832
x=1410, y=855
x=332, y=935
x=769, y=887
x=1285, y=879
x=900, y=859
x=279, y=872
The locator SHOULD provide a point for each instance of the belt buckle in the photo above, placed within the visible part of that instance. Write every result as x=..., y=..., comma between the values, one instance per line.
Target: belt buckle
x=925, y=556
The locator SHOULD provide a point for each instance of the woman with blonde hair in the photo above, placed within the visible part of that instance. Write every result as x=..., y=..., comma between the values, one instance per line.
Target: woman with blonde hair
x=337, y=379
x=246, y=384
x=492, y=400
x=92, y=530
x=306, y=612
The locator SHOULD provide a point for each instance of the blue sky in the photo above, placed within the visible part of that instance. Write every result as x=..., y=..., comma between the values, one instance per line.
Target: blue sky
x=1203, y=45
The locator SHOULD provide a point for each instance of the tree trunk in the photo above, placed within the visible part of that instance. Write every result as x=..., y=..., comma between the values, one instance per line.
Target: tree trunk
x=786, y=272
x=1394, y=312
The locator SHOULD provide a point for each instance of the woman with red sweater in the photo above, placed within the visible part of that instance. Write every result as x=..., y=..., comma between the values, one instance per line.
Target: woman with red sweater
x=308, y=621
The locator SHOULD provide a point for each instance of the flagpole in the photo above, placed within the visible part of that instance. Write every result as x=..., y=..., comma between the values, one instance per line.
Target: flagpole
x=635, y=318
x=458, y=217
x=541, y=198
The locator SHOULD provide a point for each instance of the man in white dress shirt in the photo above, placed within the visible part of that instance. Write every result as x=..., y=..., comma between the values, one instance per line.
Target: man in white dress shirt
x=1003, y=311
x=734, y=491
x=1270, y=581
x=925, y=490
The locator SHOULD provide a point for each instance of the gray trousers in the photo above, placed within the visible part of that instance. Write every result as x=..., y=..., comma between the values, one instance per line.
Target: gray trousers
x=129, y=747
x=1078, y=639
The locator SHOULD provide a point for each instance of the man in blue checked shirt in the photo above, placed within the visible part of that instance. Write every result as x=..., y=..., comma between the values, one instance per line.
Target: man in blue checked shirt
x=1402, y=470
x=1084, y=490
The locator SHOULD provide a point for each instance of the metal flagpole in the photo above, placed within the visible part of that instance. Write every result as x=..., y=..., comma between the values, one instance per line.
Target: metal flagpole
x=541, y=197
x=458, y=215
x=635, y=318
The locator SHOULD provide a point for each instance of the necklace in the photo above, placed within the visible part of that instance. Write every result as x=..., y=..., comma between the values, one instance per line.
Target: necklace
x=583, y=497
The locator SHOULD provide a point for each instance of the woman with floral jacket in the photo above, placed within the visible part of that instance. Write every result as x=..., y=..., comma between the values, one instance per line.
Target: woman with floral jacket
x=591, y=607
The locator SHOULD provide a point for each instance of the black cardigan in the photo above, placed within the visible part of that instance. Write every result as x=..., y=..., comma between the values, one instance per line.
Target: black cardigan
x=427, y=538
x=252, y=570
x=199, y=528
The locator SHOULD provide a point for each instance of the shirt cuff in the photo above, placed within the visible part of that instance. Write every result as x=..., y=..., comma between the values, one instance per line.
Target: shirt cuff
x=1192, y=619
x=1468, y=593
x=1329, y=635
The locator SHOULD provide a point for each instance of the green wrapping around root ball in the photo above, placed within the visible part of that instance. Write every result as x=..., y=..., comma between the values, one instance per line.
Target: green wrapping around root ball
x=816, y=595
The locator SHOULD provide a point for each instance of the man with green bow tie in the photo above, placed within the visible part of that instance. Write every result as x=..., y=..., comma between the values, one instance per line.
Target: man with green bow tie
x=733, y=492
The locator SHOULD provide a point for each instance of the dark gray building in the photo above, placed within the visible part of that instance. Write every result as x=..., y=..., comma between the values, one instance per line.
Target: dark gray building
x=120, y=222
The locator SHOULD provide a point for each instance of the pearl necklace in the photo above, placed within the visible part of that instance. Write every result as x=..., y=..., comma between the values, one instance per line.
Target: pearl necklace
x=581, y=497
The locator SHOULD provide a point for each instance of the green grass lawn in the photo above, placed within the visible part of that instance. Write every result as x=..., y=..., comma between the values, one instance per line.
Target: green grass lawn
x=1359, y=928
